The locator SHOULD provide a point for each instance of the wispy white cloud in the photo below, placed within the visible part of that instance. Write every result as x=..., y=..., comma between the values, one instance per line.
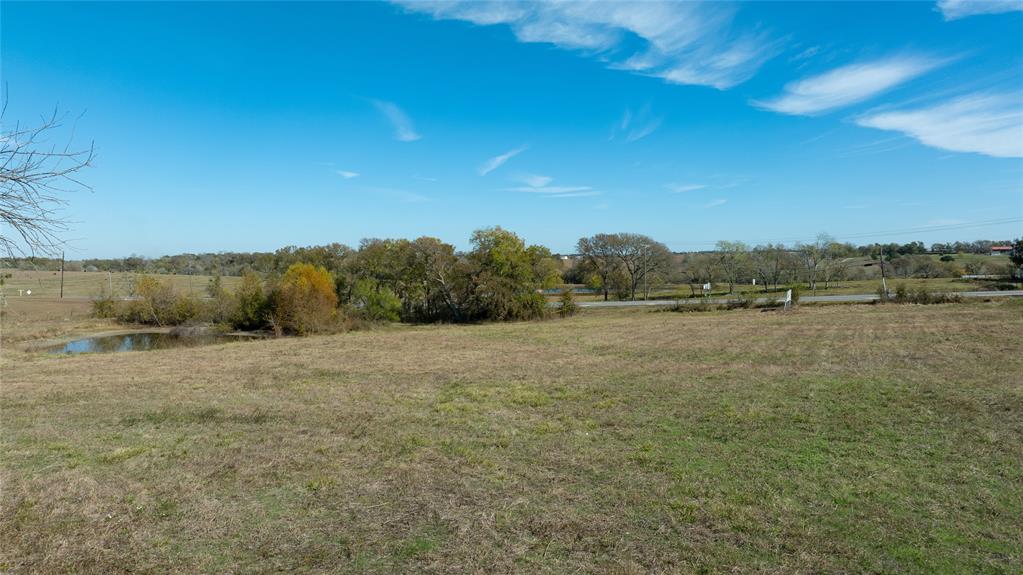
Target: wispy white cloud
x=879, y=146
x=347, y=175
x=636, y=126
x=805, y=54
x=585, y=194
x=550, y=189
x=539, y=185
x=640, y=132
x=848, y=85
x=497, y=161
x=534, y=180
x=404, y=131
x=989, y=124
x=626, y=119
x=684, y=188
x=955, y=9
x=716, y=203
x=680, y=42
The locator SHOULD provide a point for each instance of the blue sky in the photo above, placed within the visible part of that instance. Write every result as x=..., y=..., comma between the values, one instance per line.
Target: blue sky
x=250, y=126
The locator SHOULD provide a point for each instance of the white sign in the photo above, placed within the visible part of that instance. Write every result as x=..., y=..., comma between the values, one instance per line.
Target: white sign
x=754, y=281
x=706, y=287
x=788, y=296
x=29, y=292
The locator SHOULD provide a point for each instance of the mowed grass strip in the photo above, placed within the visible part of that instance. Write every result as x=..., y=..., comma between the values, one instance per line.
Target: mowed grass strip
x=838, y=439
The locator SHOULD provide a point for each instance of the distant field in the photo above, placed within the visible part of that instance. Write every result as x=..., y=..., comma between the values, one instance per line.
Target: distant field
x=28, y=318
x=836, y=288
x=92, y=284
x=880, y=439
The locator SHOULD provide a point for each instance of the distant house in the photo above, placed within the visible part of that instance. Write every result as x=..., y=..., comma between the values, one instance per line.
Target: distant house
x=1001, y=250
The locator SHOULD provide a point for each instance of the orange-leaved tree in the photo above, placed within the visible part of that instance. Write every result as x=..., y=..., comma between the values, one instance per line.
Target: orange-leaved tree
x=304, y=301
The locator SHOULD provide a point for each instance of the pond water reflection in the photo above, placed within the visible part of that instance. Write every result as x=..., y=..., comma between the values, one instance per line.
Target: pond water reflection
x=140, y=341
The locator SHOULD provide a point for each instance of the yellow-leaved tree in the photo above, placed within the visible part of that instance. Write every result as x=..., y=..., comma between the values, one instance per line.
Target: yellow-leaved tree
x=304, y=301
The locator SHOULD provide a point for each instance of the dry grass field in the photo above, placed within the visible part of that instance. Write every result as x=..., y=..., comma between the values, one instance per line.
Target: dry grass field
x=31, y=318
x=92, y=284
x=874, y=439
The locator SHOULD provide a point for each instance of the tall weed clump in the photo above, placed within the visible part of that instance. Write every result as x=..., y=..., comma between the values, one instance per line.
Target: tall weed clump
x=568, y=306
x=923, y=297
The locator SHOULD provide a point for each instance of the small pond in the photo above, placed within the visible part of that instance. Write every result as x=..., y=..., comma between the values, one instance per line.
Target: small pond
x=140, y=341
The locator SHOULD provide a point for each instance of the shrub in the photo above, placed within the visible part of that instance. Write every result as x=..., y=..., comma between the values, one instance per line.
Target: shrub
x=104, y=306
x=796, y=292
x=901, y=293
x=742, y=301
x=305, y=301
x=376, y=302
x=923, y=297
x=220, y=306
x=155, y=303
x=882, y=294
x=682, y=307
x=251, y=307
x=568, y=306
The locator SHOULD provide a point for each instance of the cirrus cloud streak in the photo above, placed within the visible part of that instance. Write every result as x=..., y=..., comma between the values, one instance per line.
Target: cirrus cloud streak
x=983, y=123
x=847, y=85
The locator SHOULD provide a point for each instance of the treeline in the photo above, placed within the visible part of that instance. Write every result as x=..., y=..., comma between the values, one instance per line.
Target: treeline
x=327, y=288
x=620, y=265
x=237, y=263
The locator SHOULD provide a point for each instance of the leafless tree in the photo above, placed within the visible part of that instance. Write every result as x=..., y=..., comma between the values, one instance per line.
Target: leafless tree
x=814, y=257
x=599, y=253
x=771, y=262
x=35, y=177
x=640, y=257
x=733, y=259
x=698, y=269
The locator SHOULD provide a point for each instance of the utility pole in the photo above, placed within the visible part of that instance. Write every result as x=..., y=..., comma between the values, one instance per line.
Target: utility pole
x=61, y=275
x=884, y=284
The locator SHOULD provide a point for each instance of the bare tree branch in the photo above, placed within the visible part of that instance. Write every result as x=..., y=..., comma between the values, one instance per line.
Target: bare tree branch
x=35, y=177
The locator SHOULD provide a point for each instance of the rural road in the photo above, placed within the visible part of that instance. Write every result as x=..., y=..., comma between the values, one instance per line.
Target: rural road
x=803, y=299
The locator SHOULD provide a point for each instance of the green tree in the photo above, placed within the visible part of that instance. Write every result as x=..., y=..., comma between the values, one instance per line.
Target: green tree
x=504, y=277
x=376, y=302
x=599, y=255
x=1016, y=255
x=251, y=307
